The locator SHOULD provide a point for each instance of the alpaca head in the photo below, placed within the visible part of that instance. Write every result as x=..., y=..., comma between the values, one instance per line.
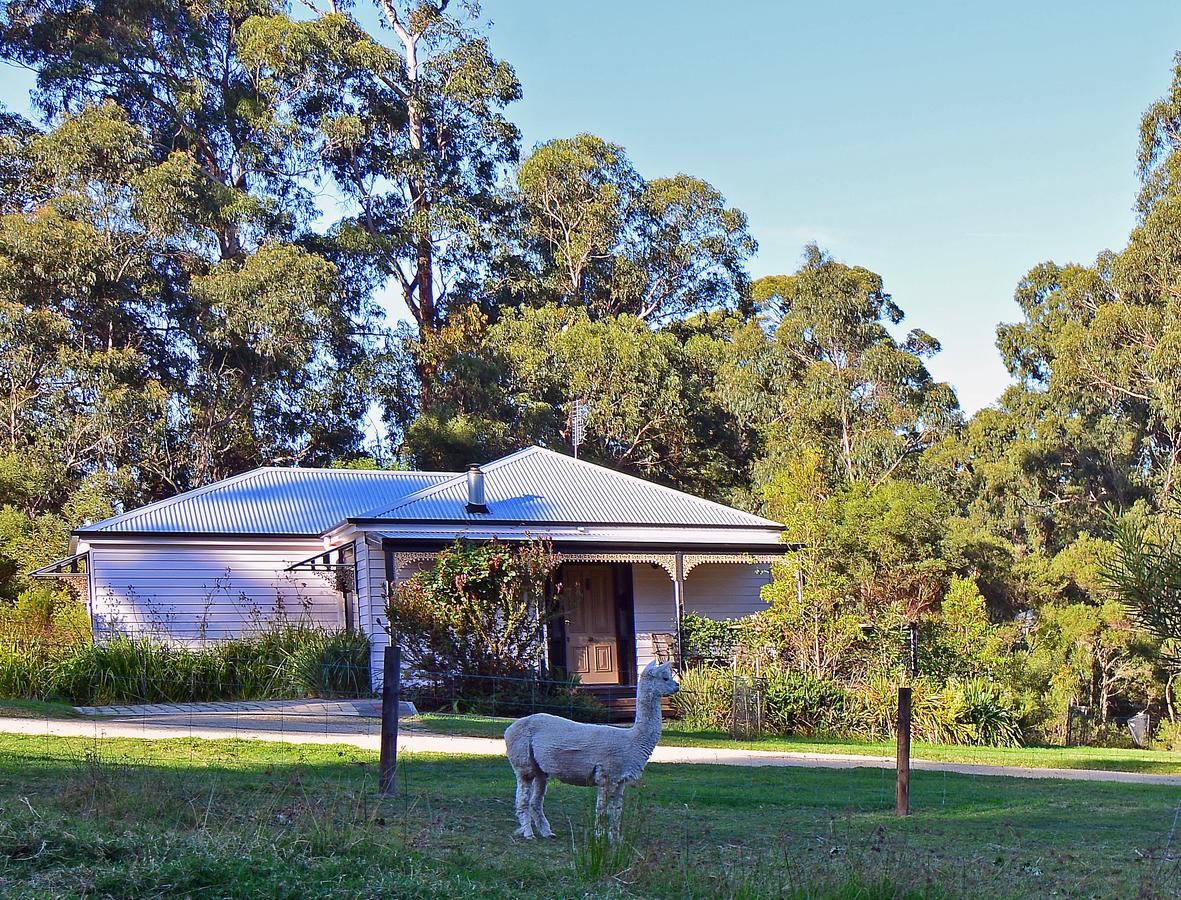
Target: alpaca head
x=658, y=677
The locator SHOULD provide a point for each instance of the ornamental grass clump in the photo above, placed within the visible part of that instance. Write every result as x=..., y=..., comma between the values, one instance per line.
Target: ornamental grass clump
x=278, y=663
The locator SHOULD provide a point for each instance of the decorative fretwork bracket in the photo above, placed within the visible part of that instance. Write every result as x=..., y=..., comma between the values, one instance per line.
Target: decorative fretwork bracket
x=692, y=560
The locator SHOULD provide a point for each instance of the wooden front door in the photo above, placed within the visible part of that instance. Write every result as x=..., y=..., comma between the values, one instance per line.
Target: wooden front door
x=592, y=644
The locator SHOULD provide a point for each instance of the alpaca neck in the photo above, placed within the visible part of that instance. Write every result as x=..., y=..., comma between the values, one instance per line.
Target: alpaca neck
x=646, y=730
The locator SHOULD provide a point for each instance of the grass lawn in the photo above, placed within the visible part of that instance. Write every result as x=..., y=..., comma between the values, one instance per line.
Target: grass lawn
x=1158, y=762
x=36, y=709
x=129, y=818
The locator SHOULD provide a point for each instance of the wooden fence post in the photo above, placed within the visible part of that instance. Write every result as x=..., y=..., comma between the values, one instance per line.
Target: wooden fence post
x=902, y=800
x=391, y=684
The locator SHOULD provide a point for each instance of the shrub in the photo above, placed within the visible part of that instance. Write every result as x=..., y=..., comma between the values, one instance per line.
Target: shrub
x=798, y=703
x=331, y=663
x=703, y=702
x=1167, y=736
x=962, y=711
x=475, y=612
x=706, y=639
x=46, y=616
x=22, y=671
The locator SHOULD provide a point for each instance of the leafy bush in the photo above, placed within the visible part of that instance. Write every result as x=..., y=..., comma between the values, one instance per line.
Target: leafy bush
x=1167, y=736
x=45, y=615
x=475, y=612
x=706, y=639
x=798, y=703
x=961, y=711
x=330, y=664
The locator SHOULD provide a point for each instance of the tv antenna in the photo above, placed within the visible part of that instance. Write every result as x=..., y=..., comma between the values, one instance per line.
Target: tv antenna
x=579, y=412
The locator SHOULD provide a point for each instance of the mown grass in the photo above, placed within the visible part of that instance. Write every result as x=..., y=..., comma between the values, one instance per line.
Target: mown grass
x=36, y=709
x=127, y=818
x=1155, y=762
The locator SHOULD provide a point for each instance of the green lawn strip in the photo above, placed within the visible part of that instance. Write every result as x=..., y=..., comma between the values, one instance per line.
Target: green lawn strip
x=1157, y=762
x=36, y=709
x=126, y=818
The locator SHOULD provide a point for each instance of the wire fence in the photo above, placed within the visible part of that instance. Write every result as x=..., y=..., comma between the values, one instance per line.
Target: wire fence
x=293, y=763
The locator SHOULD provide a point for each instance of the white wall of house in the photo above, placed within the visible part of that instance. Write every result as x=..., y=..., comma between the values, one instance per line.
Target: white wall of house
x=726, y=590
x=371, y=602
x=189, y=590
x=655, y=608
x=371, y=594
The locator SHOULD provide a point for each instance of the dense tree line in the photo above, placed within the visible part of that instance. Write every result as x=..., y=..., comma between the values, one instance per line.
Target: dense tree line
x=194, y=229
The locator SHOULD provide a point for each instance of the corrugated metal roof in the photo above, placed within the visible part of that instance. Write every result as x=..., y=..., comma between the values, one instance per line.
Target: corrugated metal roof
x=271, y=501
x=536, y=485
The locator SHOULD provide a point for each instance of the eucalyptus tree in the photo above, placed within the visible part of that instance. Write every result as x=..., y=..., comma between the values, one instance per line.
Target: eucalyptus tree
x=129, y=345
x=1094, y=417
x=609, y=240
x=825, y=373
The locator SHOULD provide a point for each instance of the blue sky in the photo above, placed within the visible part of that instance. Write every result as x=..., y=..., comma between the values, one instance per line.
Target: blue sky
x=948, y=146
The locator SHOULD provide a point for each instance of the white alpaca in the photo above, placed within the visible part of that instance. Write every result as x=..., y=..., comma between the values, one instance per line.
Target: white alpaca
x=542, y=746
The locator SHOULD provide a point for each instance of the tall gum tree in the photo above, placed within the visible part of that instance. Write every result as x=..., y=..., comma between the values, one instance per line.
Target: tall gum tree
x=1096, y=356
x=834, y=379
x=606, y=239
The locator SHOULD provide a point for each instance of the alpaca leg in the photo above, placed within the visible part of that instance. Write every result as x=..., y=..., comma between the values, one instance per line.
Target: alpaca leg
x=600, y=802
x=614, y=813
x=524, y=790
x=537, y=806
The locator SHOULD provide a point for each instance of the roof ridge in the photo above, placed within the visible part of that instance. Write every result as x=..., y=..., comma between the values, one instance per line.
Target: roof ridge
x=442, y=485
x=658, y=486
x=333, y=470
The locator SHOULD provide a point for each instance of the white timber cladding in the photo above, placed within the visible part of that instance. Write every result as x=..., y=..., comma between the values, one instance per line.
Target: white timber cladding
x=371, y=600
x=406, y=565
x=189, y=590
x=726, y=590
x=652, y=595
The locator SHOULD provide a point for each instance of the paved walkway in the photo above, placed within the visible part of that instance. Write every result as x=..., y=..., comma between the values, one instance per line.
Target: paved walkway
x=363, y=733
x=251, y=708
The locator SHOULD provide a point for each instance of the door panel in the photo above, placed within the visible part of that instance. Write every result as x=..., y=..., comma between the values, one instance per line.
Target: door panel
x=592, y=648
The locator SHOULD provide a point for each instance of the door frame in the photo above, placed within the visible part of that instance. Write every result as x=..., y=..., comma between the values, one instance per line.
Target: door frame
x=625, y=627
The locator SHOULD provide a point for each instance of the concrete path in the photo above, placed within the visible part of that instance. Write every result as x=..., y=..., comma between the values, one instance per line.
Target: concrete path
x=321, y=708
x=363, y=733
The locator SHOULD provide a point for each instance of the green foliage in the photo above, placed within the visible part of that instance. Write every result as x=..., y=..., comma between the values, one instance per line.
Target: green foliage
x=46, y=615
x=607, y=240
x=797, y=703
x=703, y=638
x=834, y=381
x=959, y=711
x=703, y=702
x=287, y=662
x=479, y=611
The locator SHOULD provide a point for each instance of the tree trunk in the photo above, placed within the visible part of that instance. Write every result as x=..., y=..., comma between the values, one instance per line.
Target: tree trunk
x=421, y=285
x=1170, y=705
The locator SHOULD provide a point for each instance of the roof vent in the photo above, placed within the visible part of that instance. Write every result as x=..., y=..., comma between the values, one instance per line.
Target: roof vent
x=475, y=490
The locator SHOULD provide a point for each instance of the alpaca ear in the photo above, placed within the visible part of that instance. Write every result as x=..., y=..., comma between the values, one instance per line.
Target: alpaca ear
x=652, y=666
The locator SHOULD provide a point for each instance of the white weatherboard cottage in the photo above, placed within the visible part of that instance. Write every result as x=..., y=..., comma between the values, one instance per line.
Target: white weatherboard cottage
x=327, y=545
